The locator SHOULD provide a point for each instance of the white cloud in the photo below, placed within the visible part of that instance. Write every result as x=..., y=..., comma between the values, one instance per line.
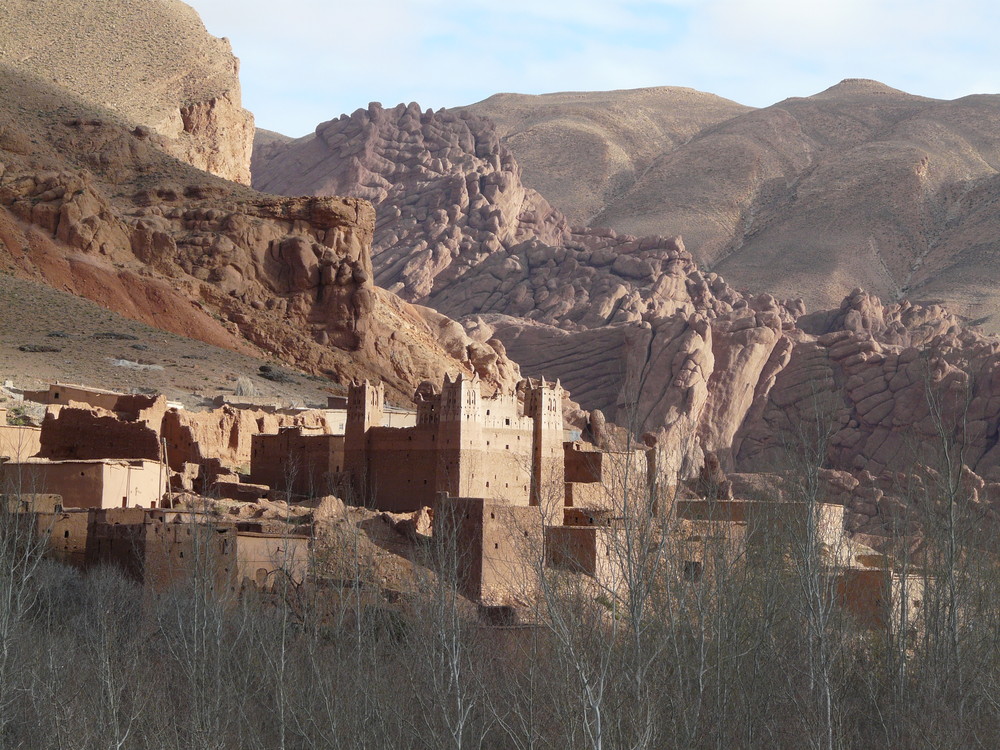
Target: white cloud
x=305, y=61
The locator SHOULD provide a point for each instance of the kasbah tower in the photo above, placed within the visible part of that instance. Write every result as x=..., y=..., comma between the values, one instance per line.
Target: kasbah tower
x=463, y=444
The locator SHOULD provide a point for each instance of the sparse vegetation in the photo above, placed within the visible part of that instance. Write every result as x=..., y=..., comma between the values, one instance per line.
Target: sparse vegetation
x=39, y=348
x=115, y=336
x=245, y=387
x=18, y=416
x=275, y=374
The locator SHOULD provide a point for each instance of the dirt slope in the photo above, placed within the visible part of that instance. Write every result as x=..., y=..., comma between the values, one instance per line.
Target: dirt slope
x=152, y=63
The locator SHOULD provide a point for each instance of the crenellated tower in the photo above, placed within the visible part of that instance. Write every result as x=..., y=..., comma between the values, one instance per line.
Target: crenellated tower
x=365, y=409
x=460, y=436
x=543, y=403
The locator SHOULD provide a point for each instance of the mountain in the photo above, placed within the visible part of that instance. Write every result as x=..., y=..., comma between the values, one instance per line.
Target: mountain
x=859, y=185
x=583, y=150
x=95, y=205
x=150, y=63
x=632, y=325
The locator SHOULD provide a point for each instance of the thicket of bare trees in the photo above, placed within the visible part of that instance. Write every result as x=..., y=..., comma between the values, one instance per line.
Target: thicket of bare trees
x=740, y=650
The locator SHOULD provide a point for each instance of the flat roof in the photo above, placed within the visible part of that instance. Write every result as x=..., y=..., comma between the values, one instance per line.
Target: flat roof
x=116, y=461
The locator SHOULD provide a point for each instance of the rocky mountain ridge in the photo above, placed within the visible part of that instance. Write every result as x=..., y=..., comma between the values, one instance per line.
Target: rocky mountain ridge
x=858, y=185
x=633, y=326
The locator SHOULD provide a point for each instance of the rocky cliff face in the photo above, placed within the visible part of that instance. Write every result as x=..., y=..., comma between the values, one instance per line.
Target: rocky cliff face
x=151, y=64
x=95, y=207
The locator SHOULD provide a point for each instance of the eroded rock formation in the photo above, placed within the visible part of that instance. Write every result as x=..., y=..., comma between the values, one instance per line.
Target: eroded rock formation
x=96, y=208
x=632, y=326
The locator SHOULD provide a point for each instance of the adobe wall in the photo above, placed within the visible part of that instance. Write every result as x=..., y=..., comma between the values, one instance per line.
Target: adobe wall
x=512, y=553
x=61, y=394
x=611, y=480
x=590, y=495
x=500, y=466
x=297, y=461
x=263, y=558
x=17, y=443
x=86, y=433
x=770, y=522
x=86, y=484
x=173, y=552
x=401, y=472
x=704, y=547
x=160, y=554
x=67, y=535
x=31, y=503
x=136, y=484
x=589, y=550
x=494, y=547
x=80, y=483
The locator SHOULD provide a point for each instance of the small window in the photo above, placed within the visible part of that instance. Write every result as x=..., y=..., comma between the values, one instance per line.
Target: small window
x=692, y=570
x=66, y=534
x=496, y=545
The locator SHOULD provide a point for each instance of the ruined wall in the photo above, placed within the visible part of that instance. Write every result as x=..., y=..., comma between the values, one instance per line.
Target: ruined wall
x=263, y=558
x=294, y=461
x=88, y=433
x=224, y=434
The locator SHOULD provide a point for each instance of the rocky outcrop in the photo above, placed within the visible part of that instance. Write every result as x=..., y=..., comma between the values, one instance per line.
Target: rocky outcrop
x=96, y=208
x=883, y=387
x=152, y=65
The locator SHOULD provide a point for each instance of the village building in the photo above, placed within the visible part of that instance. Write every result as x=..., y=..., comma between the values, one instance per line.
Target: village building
x=462, y=444
x=161, y=547
x=92, y=483
x=494, y=548
x=605, y=480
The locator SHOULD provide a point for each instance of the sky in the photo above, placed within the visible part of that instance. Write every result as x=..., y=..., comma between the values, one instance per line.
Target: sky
x=307, y=61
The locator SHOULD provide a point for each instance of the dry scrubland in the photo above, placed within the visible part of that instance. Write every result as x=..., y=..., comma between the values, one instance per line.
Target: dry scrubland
x=90, y=339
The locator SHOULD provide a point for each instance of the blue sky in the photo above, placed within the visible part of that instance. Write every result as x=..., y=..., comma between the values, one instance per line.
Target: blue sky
x=307, y=61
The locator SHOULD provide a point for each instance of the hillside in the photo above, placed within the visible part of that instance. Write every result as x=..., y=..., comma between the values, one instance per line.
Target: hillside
x=151, y=63
x=859, y=185
x=584, y=150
